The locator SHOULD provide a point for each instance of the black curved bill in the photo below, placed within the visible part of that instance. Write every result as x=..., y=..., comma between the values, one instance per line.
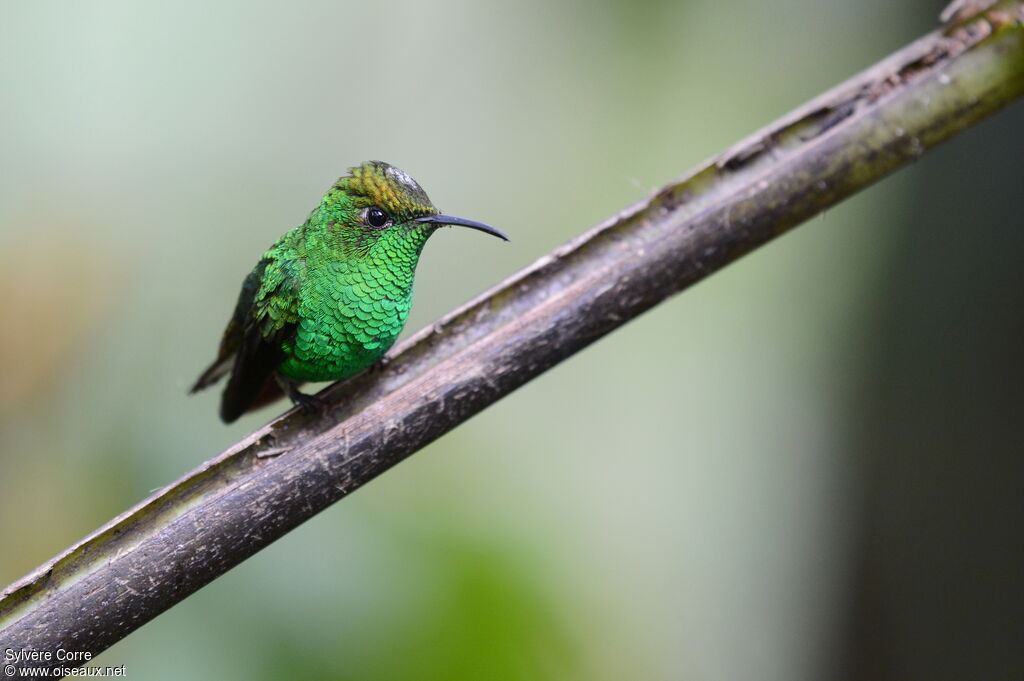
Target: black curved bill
x=442, y=219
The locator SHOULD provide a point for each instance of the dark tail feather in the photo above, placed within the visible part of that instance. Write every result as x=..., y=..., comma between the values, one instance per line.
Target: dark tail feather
x=213, y=373
x=271, y=392
x=254, y=368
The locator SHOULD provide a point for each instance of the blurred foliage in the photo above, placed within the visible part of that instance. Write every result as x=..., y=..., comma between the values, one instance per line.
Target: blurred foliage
x=55, y=295
x=738, y=485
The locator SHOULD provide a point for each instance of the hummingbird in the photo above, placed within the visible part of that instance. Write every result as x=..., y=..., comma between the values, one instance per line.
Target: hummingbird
x=328, y=299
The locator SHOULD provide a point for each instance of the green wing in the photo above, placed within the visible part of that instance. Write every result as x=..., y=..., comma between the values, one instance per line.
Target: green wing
x=231, y=341
x=265, y=317
x=266, y=323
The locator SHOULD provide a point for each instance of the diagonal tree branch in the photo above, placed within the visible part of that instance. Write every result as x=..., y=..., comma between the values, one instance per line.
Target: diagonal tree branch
x=184, y=536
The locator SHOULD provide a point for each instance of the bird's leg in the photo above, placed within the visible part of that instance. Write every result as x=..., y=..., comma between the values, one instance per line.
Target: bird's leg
x=308, y=403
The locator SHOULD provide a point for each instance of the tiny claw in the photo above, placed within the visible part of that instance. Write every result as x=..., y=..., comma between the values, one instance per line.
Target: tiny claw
x=310, y=404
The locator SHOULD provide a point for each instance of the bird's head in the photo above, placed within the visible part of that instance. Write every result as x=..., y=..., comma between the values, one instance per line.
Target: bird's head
x=377, y=203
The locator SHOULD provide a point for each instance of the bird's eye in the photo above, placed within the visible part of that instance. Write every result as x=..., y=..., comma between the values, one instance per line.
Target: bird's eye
x=376, y=218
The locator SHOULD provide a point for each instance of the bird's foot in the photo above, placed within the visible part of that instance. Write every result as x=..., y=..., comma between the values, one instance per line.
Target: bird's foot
x=311, y=404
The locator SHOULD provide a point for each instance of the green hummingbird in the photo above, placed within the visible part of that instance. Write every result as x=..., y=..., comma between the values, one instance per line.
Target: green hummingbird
x=330, y=297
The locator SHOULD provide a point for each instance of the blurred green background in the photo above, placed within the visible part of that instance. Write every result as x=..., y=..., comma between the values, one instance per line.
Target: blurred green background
x=807, y=467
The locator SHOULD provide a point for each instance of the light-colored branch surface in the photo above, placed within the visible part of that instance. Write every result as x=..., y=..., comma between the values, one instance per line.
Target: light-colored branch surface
x=216, y=516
